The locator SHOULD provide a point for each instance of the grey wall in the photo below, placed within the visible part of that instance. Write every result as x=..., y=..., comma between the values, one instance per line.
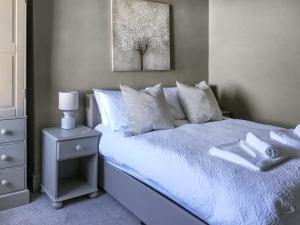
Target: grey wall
x=69, y=49
x=254, y=58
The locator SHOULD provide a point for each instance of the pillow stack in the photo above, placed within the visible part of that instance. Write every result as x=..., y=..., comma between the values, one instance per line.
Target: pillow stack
x=155, y=108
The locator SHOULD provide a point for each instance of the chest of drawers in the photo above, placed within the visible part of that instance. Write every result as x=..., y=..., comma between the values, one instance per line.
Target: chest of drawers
x=13, y=190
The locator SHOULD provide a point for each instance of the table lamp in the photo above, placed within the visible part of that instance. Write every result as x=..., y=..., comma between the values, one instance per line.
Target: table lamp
x=68, y=103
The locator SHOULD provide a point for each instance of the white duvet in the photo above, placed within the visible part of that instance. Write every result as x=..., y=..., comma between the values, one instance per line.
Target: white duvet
x=217, y=191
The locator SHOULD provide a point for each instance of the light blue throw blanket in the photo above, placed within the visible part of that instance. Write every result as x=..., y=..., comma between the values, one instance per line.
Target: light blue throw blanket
x=218, y=191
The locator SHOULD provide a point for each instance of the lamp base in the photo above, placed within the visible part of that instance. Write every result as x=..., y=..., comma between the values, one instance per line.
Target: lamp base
x=68, y=121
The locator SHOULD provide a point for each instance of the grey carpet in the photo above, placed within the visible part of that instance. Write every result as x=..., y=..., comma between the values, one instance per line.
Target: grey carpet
x=82, y=211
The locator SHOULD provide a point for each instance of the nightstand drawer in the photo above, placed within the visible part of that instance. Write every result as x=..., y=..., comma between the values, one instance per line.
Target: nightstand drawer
x=12, y=130
x=12, y=155
x=78, y=147
x=11, y=180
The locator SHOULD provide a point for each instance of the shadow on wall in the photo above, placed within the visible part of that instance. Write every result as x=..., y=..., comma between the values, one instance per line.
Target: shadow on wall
x=235, y=100
x=172, y=38
x=39, y=33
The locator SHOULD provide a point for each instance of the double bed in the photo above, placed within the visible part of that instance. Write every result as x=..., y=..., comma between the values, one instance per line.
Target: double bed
x=168, y=177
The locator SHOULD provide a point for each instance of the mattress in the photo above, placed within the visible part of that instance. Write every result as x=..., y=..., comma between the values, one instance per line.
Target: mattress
x=176, y=162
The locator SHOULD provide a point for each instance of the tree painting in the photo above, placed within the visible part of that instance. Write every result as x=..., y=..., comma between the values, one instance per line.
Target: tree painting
x=141, y=35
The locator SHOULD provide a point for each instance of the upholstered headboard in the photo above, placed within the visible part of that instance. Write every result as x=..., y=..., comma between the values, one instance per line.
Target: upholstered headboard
x=93, y=117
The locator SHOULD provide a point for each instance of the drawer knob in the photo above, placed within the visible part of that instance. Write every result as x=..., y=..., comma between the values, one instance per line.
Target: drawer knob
x=3, y=157
x=4, y=132
x=78, y=147
x=4, y=182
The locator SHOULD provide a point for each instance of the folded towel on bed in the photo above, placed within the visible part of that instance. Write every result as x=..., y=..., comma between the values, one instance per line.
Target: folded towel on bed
x=286, y=137
x=245, y=146
x=236, y=153
x=262, y=146
x=297, y=130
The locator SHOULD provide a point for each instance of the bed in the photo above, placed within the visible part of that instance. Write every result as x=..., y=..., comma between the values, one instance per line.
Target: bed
x=168, y=178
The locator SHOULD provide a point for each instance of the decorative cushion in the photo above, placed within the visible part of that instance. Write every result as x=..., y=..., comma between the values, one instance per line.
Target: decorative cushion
x=147, y=110
x=199, y=103
x=174, y=104
x=112, y=109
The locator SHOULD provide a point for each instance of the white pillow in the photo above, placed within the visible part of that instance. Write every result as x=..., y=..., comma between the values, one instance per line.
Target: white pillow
x=147, y=109
x=199, y=103
x=174, y=104
x=112, y=109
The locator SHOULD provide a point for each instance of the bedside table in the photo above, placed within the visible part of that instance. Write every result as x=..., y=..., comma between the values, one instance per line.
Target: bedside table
x=69, y=163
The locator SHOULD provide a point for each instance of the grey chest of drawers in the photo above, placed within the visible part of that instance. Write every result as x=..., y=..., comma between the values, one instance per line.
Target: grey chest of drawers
x=13, y=190
x=69, y=163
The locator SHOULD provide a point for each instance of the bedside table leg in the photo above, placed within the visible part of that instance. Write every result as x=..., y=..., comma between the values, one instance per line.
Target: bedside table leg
x=94, y=194
x=57, y=205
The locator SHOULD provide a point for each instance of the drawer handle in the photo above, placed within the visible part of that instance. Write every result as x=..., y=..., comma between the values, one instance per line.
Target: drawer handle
x=3, y=157
x=78, y=147
x=4, y=132
x=4, y=182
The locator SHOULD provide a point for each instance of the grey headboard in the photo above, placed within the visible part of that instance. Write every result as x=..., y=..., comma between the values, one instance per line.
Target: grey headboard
x=93, y=117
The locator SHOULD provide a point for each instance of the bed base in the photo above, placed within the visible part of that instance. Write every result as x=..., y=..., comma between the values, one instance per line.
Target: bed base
x=151, y=207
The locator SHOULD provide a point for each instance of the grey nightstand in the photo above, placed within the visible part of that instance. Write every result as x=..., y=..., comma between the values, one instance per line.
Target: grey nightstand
x=69, y=163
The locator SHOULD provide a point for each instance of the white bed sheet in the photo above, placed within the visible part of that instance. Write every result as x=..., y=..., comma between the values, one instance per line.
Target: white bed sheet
x=176, y=162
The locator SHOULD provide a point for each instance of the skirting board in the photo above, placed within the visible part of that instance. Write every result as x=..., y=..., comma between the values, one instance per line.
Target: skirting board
x=14, y=199
x=147, y=204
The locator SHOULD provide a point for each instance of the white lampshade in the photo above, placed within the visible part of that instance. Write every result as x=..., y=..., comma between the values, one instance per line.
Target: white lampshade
x=68, y=100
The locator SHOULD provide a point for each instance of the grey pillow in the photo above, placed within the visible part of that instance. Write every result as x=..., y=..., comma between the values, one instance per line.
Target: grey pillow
x=174, y=104
x=147, y=109
x=199, y=103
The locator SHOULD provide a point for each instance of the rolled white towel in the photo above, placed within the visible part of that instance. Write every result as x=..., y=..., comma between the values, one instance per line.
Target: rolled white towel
x=286, y=137
x=248, y=148
x=261, y=146
x=297, y=130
